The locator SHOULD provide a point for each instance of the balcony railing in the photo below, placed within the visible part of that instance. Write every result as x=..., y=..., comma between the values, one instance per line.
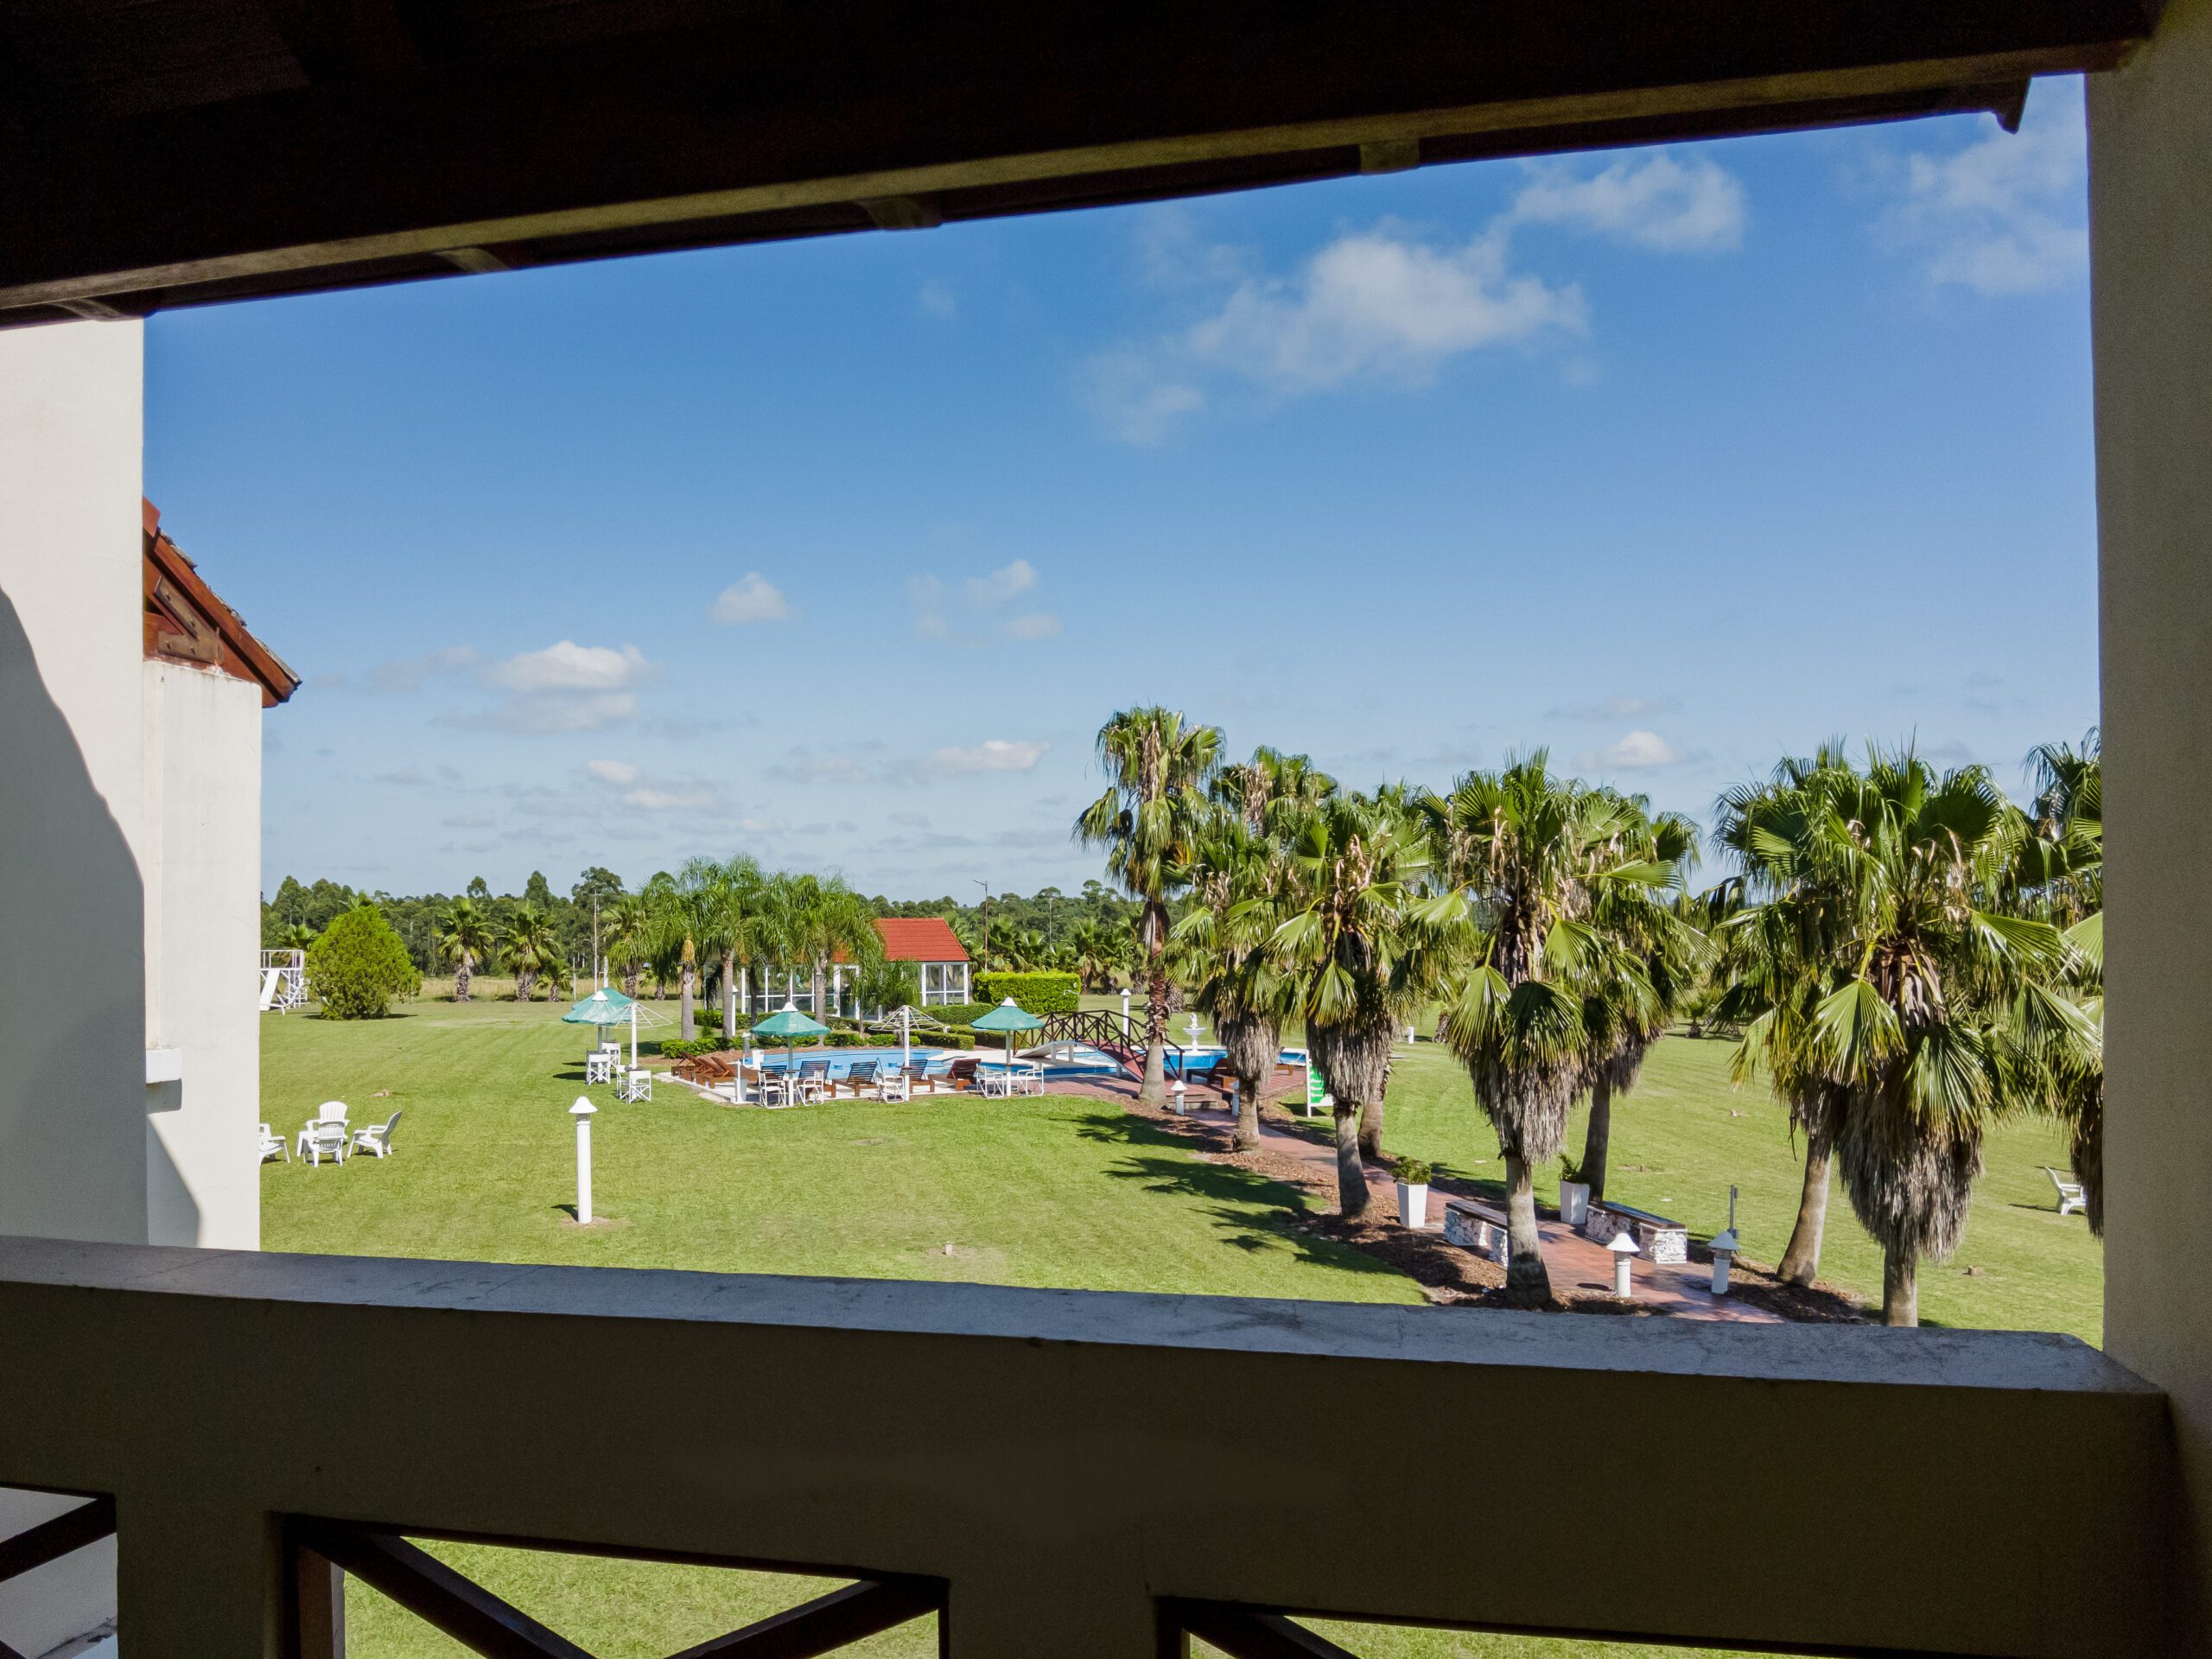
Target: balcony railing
x=1072, y=1472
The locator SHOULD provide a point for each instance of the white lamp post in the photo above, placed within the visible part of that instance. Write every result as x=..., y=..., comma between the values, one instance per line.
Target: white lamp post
x=1178, y=1105
x=1724, y=1252
x=1623, y=1247
x=582, y=1111
x=1125, y=1008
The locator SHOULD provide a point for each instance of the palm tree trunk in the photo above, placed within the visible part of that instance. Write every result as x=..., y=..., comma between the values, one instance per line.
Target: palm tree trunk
x=461, y=972
x=688, y=1026
x=630, y=980
x=821, y=989
x=729, y=995
x=1800, y=1261
x=1352, y=1173
x=1372, y=1129
x=1153, y=1091
x=1527, y=1281
x=1600, y=1133
x=1900, y=1288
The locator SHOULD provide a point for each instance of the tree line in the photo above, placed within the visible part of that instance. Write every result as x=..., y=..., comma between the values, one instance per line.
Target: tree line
x=1905, y=954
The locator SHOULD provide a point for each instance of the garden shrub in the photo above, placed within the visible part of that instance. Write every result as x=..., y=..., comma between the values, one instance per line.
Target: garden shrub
x=960, y=1013
x=1040, y=993
x=358, y=965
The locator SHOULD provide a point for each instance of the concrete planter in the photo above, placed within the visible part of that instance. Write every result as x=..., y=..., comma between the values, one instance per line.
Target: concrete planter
x=1413, y=1203
x=1574, y=1203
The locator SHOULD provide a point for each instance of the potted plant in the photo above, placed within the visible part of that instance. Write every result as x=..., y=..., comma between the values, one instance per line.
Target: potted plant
x=1412, y=1191
x=1573, y=1194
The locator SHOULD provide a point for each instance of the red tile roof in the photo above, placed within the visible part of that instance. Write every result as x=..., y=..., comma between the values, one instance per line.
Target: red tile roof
x=920, y=938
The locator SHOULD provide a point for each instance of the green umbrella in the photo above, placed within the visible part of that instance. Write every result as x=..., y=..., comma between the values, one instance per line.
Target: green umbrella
x=1009, y=1018
x=787, y=1022
x=607, y=1007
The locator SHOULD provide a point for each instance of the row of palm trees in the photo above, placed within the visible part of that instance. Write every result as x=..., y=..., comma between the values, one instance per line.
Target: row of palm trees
x=730, y=914
x=474, y=938
x=1909, y=956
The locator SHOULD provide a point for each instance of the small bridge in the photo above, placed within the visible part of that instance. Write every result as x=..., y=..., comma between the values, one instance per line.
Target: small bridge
x=1113, y=1034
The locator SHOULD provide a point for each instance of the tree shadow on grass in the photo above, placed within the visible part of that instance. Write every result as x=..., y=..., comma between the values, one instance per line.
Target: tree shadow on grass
x=1254, y=1213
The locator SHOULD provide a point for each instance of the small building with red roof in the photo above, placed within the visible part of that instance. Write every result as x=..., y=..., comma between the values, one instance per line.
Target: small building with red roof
x=940, y=960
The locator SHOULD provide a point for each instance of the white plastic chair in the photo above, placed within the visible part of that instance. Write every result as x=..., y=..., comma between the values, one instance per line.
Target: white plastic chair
x=638, y=1085
x=324, y=1138
x=273, y=1146
x=599, y=1067
x=331, y=1111
x=893, y=1085
x=376, y=1137
x=993, y=1082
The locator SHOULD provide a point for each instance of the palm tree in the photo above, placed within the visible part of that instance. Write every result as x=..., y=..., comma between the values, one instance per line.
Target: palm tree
x=530, y=947
x=1238, y=879
x=1775, y=971
x=295, y=936
x=729, y=915
x=1357, y=948
x=1625, y=1013
x=1559, y=882
x=678, y=911
x=1159, y=767
x=467, y=938
x=1270, y=782
x=629, y=937
x=1895, y=908
x=2060, y=877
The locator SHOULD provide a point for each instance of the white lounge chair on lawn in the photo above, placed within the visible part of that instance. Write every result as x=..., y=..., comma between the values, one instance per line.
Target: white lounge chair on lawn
x=272, y=1145
x=324, y=1138
x=2070, y=1195
x=331, y=1111
x=376, y=1137
x=599, y=1066
x=637, y=1085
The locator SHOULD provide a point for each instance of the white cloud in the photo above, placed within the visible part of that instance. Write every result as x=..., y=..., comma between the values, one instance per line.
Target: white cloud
x=1613, y=708
x=751, y=598
x=937, y=300
x=2005, y=215
x=1003, y=583
x=558, y=711
x=621, y=773
x=801, y=766
x=994, y=754
x=1135, y=396
x=411, y=673
x=1034, y=625
x=1638, y=750
x=1374, y=304
x=568, y=666
x=1654, y=202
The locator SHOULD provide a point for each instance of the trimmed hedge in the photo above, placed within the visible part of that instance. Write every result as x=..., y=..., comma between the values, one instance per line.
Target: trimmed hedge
x=1039, y=994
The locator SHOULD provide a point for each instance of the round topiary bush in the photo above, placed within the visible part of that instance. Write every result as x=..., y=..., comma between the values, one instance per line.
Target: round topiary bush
x=357, y=966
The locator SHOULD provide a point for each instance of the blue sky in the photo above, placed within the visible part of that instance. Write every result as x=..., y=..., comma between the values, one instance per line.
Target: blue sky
x=839, y=551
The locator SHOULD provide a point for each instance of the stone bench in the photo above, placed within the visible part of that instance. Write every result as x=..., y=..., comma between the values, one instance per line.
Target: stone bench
x=1660, y=1239
x=1476, y=1227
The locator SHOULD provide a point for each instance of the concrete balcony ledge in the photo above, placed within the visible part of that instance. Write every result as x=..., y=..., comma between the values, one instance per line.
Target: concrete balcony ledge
x=2006, y=1360
x=1063, y=1458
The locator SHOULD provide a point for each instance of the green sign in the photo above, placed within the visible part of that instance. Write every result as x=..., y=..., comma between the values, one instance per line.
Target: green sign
x=1317, y=1087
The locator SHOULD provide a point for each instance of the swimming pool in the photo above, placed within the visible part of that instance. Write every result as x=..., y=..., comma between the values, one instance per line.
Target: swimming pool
x=1065, y=1059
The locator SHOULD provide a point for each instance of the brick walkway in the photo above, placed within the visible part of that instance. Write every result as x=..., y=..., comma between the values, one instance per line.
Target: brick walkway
x=1573, y=1261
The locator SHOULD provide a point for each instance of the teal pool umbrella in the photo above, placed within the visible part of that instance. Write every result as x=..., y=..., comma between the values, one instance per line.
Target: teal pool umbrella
x=1009, y=1018
x=788, y=1023
x=607, y=1006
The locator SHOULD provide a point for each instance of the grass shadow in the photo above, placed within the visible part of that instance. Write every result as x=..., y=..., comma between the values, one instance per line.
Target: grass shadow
x=1253, y=1212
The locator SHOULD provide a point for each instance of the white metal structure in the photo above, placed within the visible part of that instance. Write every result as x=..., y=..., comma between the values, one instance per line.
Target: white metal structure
x=284, y=980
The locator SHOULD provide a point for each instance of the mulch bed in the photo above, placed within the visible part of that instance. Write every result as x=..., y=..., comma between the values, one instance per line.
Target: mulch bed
x=1452, y=1276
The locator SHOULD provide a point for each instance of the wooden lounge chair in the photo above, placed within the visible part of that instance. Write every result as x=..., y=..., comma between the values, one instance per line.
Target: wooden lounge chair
x=961, y=1075
x=919, y=1078
x=860, y=1076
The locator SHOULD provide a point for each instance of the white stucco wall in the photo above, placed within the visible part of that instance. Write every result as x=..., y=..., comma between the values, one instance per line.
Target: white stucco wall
x=72, y=1107
x=73, y=1136
x=201, y=847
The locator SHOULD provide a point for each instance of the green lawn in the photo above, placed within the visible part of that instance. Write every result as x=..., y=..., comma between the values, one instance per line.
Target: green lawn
x=1048, y=1193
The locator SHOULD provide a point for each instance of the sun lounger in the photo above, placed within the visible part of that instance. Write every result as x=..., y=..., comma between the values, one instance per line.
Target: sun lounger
x=860, y=1076
x=961, y=1074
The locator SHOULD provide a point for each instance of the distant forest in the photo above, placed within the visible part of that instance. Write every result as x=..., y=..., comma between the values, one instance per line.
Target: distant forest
x=1091, y=933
